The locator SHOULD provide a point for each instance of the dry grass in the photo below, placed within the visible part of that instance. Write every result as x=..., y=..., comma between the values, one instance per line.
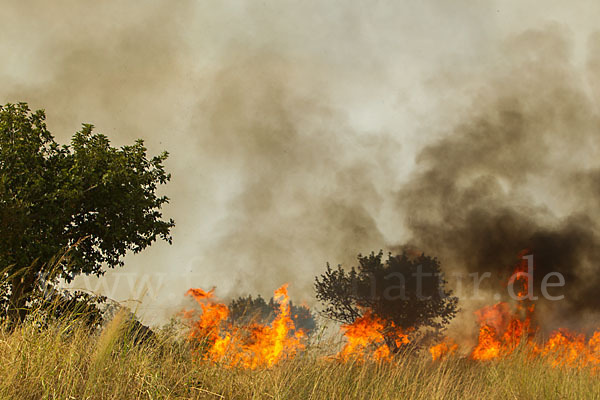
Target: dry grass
x=67, y=361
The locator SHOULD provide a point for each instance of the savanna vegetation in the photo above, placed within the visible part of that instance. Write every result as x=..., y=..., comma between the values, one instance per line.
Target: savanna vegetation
x=402, y=291
x=79, y=208
x=69, y=360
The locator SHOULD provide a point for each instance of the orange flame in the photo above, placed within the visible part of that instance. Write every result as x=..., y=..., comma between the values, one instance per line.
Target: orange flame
x=213, y=315
x=251, y=346
x=444, y=349
x=368, y=334
x=501, y=330
x=503, y=327
x=569, y=349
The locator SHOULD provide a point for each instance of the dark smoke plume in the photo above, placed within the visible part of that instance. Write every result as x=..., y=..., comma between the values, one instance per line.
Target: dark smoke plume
x=291, y=125
x=519, y=172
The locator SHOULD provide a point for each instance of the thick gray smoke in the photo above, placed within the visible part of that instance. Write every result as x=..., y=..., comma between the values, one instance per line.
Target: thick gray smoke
x=520, y=171
x=303, y=181
x=271, y=177
x=293, y=129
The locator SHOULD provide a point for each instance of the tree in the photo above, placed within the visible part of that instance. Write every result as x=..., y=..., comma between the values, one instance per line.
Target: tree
x=404, y=291
x=245, y=310
x=72, y=209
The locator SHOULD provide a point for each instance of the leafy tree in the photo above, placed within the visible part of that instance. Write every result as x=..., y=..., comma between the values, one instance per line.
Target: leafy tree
x=245, y=310
x=404, y=291
x=72, y=209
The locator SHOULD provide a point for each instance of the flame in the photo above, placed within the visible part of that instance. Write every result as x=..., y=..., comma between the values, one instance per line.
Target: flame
x=500, y=331
x=208, y=326
x=569, y=349
x=444, y=349
x=503, y=327
x=251, y=346
x=368, y=334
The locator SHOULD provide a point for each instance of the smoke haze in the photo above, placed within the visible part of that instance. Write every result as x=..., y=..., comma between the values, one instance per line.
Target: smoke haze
x=307, y=133
x=520, y=171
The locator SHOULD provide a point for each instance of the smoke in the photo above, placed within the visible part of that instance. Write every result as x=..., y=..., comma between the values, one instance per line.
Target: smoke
x=271, y=177
x=303, y=181
x=520, y=171
x=293, y=129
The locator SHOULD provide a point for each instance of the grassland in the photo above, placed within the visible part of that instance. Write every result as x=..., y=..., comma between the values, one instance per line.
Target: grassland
x=68, y=361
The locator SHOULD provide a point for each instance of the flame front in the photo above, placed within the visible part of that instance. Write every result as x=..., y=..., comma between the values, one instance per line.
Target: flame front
x=500, y=329
x=568, y=349
x=503, y=327
x=445, y=348
x=368, y=334
x=251, y=346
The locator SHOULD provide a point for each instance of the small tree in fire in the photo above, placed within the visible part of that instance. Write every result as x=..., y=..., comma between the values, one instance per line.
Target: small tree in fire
x=246, y=310
x=406, y=292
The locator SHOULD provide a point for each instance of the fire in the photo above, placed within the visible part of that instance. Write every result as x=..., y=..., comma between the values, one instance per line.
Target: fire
x=208, y=326
x=368, y=334
x=503, y=327
x=266, y=345
x=252, y=346
x=444, y=349
x=500, y=331
x=569, y=349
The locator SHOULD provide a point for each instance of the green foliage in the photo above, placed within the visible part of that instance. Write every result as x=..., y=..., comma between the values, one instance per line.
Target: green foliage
x=88, y=200
x=244, y=310
x=47, y=303
x=391, y=290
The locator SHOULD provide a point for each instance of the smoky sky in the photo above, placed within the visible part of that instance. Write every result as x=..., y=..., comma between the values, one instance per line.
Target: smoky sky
x=519, y=172
x=306, y=133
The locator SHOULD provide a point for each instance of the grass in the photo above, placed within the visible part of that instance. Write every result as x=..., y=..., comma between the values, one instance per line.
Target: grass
x=66, y=360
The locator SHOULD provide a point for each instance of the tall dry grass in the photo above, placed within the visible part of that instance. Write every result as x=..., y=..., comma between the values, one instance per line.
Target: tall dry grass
x=67, y=360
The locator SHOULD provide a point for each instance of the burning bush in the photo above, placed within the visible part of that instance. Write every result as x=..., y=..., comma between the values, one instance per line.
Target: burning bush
x=249, y=346
x=246, y=310
x=400, y=298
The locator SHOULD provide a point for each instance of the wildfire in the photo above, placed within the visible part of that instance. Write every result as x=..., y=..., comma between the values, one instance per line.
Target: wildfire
x=368, y=335
x=568, y=349
x=213, y=314
x=252, y=346
x=445, y=348
x=500, y=331
x=503, y=327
